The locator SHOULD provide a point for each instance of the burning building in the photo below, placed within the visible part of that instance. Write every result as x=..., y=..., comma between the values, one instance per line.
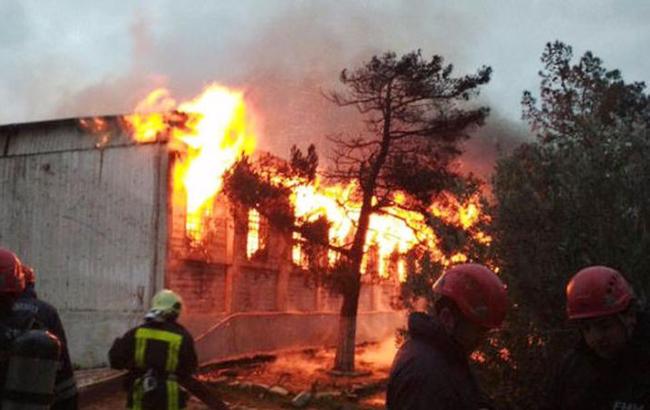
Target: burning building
x=111, y=209
x=103, y=211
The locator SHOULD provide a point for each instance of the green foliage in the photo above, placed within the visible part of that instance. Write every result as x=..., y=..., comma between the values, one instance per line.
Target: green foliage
x=255, y=189
x=304, y=166
x=416, y=114
x=578, y=196
x=417, y=286
x=424, y=269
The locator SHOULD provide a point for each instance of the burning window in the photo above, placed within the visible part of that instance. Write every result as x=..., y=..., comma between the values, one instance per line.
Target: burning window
x=396, y=266
x=306, y=255
x=401, y=270
x=257, y=237
x=298, y=252
x=194, y=226
x=371, y=262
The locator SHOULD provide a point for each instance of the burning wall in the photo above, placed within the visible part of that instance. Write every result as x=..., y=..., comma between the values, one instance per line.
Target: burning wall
x=94, y=212
x=247, y=296
x=111, y=209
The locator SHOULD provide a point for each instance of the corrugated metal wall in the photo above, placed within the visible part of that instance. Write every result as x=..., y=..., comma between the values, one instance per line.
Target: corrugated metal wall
x=87, y=220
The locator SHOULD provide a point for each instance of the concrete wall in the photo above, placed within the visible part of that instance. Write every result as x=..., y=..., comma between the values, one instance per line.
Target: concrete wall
x=246, y=334
x=87, y=219
x=238, y=305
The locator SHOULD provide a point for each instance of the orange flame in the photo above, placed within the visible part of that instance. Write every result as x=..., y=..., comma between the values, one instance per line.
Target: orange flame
x=214, y=135
x=212, y=131
x=149, y=120
x=392, y=232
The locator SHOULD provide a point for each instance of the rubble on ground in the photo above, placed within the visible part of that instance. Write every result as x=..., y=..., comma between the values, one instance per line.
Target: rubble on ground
x=304, y=380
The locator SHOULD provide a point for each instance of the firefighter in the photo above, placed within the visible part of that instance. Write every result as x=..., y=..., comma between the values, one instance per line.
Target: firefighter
x=609, y=368
x=27, y=348
x=27, y=304
x=157, y=353
x=431, y=370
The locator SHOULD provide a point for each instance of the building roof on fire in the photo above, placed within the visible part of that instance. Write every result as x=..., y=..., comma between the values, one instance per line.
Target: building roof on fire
x=70, y=134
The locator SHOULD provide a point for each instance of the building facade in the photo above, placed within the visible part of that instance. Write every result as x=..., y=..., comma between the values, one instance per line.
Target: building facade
x=96, y=215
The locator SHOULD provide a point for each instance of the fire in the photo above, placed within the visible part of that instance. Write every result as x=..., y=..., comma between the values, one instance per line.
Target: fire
x=213, y=136
x=99, y=127
x=212, y=131
x=254, y=241
x=150, y=118
x=391, y=233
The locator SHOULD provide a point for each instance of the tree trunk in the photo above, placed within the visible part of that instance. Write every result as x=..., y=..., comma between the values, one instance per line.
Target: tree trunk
x=347, y=332
x=348, y=319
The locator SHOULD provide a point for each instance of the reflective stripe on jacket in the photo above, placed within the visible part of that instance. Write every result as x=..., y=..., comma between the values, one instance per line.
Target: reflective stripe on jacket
x=143, y=336
x=156, y=353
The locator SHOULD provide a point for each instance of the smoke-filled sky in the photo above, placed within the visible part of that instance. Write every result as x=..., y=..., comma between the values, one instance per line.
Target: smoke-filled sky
x=80, y=58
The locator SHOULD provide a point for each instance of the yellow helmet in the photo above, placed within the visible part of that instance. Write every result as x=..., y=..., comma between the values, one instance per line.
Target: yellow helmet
x=166, y=303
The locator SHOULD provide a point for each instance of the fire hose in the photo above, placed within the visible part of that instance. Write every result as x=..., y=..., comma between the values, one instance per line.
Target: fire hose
x=108, y=387
x=208, y=395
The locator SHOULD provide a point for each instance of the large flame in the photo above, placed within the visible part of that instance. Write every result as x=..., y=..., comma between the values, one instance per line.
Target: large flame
x=213, y=136
x=391, y=234
x=212, y=131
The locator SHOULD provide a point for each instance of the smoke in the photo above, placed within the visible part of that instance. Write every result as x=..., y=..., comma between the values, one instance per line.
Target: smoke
x=117, y=94
x=284, y=55
x=301, y=53
x=498, y=137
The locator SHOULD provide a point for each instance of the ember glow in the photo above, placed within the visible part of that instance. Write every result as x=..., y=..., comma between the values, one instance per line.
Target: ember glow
x=212, y=131
x=98, y=127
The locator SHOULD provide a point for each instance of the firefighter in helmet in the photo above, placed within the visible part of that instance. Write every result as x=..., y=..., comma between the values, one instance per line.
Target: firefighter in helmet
x=157, y=353
x=29, y=347
x=431, y=370
x=47, y=315
x=12, y=281
x=609, y=368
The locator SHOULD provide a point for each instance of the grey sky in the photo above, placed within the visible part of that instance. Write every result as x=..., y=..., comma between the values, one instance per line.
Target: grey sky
x=76, y=58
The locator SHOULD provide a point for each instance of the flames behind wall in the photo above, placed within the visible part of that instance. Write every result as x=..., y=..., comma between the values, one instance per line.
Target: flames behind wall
x=212, y=131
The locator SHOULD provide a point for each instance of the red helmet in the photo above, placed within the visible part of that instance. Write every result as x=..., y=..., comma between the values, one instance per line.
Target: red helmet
x=597, y=291
x=12, y=278
x=477, y=291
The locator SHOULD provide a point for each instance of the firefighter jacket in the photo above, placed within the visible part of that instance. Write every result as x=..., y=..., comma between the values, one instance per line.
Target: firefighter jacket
x=157, y=354
x=47, y=317
x=586, y=381
x=431, y=372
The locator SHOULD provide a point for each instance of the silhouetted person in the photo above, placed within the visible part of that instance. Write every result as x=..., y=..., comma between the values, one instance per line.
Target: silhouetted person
x=431, y=370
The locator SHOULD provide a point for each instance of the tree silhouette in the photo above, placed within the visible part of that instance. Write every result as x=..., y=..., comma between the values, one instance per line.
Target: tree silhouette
x=416, y=115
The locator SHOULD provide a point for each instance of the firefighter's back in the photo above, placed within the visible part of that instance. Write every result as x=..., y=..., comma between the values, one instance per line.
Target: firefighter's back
x=157, y=354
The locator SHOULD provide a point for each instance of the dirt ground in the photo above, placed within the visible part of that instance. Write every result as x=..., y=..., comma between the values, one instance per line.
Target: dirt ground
x=272, y=382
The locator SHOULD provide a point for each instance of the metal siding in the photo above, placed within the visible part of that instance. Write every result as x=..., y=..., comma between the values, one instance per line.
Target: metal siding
x=85, y=221
x=61, y=135
x=4, y=139
x=161, y=209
